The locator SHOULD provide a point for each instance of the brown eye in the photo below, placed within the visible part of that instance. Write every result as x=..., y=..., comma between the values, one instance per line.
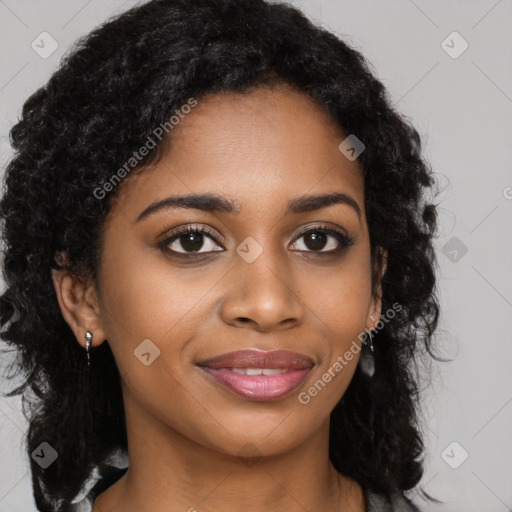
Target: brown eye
x=191, y=240
x=319, y=238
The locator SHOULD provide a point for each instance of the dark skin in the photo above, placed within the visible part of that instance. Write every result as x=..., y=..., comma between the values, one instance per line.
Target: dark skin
x=185, y=432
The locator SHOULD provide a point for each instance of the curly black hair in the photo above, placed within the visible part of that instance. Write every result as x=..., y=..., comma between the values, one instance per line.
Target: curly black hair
x=112, y=89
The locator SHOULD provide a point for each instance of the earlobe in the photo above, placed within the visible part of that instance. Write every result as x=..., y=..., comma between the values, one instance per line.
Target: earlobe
x=79, y=306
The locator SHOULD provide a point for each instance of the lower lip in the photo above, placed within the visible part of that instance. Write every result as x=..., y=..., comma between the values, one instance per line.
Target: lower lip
x=259, y=387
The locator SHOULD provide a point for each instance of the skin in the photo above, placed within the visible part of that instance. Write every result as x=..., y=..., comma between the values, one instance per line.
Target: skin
x=185, y=432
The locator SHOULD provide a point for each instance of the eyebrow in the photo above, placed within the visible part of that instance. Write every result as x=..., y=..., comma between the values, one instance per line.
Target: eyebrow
x=221, y=204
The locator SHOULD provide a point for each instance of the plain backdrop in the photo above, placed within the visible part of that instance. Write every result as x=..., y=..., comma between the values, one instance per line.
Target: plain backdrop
x=447, y=65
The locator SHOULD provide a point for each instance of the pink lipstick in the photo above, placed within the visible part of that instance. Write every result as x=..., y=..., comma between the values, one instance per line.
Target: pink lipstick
x=259, y=375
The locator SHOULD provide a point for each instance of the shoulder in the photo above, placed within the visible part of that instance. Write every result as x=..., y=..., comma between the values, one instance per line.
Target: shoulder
x=84, y=505
x=377, y=502
x=107, y=479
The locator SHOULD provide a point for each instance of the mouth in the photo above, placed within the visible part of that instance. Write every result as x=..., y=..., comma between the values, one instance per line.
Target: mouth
x=258, y=375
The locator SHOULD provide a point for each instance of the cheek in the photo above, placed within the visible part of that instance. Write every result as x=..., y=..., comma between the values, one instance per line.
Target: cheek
x=150, y=312
x=341, y=317
x=141, y=300
x=340, y=303
x=340, y=297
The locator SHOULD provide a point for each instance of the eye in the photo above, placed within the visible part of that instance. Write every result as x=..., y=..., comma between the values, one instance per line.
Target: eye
x=317, y=238
x=191, y=240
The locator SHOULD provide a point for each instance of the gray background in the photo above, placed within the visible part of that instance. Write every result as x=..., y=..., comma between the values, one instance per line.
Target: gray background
x=462, y=108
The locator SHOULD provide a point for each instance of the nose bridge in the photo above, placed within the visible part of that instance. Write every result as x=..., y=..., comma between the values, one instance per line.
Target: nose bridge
x=262, y=266
x=263, y=288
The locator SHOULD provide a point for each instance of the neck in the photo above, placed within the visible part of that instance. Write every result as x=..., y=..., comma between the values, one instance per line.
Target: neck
x=170, y=471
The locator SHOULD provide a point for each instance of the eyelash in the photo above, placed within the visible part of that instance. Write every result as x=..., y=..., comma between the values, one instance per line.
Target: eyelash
x=344, y=241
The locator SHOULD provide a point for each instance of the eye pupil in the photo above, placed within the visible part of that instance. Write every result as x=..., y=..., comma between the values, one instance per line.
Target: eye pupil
x=318, y=240
x=191, y=241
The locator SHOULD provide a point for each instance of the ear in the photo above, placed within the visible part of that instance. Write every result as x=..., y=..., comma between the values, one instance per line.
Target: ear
x=378, y=272
x=79, y=306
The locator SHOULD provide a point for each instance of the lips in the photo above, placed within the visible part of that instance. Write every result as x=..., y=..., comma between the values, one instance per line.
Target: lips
x=282, y=359
x=259, y=375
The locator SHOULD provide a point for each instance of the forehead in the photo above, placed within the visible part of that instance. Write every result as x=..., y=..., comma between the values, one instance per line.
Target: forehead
x=260, y=148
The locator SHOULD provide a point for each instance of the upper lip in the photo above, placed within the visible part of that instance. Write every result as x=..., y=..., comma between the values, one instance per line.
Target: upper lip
x=259, y=359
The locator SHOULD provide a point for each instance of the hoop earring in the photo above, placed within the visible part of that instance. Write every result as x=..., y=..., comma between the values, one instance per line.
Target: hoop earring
x=88, y=340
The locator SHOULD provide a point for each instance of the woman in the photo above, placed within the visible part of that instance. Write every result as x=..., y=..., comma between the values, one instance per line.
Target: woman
x=218, y=265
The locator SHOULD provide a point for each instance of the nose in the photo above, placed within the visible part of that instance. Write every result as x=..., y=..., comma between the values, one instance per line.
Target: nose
x=262, y=295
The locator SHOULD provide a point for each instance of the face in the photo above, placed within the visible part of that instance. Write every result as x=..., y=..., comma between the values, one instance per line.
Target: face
x=271, y=274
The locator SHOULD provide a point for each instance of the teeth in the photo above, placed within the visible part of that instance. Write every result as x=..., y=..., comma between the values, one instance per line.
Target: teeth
x=259, y=371
x=274, y=371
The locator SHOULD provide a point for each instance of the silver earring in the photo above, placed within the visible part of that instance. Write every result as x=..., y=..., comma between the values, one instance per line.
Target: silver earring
x=371, y=341
x=371, y=336
x=88, y=340
x=367, y=359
